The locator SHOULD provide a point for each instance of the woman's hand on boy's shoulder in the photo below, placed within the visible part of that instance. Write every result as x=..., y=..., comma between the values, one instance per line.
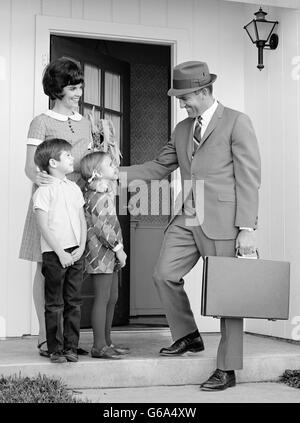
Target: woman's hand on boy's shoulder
x=43, y=178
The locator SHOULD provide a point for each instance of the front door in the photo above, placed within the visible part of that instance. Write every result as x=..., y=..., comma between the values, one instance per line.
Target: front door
x=106, y=89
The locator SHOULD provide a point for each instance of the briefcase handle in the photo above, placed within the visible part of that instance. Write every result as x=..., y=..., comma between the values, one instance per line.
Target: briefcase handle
x=254, y=255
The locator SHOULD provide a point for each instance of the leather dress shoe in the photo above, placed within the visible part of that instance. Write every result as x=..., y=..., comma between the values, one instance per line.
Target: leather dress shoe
x=219, y=381
x=183, y=345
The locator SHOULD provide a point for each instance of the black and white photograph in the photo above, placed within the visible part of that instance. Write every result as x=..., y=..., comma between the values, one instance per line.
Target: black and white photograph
x=150, y=219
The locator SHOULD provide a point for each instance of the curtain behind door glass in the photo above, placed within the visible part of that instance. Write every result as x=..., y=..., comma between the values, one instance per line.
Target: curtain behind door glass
x=112, y=91
x=92, y=78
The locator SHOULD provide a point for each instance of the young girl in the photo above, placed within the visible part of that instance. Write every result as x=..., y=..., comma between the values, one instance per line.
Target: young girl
x=104, y=249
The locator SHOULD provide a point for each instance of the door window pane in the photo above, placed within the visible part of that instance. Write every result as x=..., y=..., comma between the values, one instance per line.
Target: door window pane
x=88, y=109
x=112, y=91
x=116, y=123
x=92, y=84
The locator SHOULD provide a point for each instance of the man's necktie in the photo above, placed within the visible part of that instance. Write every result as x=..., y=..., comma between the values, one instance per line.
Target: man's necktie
x=197, y=134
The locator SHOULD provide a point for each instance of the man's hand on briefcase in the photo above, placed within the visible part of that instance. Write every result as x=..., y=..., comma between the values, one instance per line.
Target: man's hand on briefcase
x=246, y=242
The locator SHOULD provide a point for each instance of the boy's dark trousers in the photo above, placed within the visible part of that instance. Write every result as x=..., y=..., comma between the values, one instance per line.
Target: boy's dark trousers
x=62, y=301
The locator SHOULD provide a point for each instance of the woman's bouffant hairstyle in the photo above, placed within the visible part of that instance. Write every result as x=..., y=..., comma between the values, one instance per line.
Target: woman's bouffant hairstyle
x=91, y=162
x=50, y=149
x=58, y=74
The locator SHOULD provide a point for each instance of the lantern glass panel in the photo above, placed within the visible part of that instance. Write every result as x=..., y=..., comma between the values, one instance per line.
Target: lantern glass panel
x=251, y=30
x=264, y=29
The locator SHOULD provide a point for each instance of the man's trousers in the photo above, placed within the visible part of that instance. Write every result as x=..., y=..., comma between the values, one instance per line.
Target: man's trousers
x=182, y=247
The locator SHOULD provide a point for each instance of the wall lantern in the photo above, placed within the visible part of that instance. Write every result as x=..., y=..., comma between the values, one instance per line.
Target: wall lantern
x=261, y=33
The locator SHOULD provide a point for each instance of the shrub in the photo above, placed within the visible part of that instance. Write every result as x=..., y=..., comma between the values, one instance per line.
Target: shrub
x=291, y=378
x=41, y=389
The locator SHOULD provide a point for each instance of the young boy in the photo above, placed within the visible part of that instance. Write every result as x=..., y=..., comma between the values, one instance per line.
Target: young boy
x=58, y=207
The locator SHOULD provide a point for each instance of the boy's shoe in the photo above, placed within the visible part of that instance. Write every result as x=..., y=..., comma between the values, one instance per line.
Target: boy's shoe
x=71, y=355
x=105, y=352
x=57, y=357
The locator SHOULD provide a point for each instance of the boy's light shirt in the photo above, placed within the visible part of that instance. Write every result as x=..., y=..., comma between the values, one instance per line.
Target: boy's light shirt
x=62, y=200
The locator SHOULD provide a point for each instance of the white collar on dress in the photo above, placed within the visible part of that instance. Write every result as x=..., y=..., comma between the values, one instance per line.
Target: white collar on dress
x=75, y=116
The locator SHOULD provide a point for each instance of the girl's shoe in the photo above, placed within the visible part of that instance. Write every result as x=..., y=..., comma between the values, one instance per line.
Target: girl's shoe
x=104, y=352
x=43, y=352
x=120, y=349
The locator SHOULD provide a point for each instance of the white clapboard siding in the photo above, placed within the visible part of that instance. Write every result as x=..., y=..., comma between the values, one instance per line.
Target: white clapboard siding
x=293, y=4
x=290, y=28
x=230, y=64
x=154, y=12
x=100, y=10
x=126, y=11
x=5, y=81
x=180, y=14
x=213, y=33
x=61, y=8
x=274, y=106
x=77, y=9
x=22, y=33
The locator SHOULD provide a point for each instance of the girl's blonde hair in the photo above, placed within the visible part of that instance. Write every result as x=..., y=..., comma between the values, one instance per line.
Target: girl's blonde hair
x=90, y=163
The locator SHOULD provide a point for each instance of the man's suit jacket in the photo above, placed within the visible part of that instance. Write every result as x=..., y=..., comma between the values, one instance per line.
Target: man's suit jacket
x=228, y=162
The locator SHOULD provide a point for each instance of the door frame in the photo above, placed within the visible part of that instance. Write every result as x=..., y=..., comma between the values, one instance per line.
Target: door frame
x=177, y=39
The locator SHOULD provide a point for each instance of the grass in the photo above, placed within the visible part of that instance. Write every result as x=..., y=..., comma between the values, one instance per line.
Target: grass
x=40, y=389
x=291, y=378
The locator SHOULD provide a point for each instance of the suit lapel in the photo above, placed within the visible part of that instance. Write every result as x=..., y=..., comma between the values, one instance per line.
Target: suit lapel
x=212, y=124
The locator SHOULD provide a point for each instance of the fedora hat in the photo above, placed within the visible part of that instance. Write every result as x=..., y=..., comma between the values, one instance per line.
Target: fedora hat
x=189, y=77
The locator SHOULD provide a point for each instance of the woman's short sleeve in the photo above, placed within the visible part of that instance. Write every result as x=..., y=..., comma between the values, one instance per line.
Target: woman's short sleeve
x=37, y=131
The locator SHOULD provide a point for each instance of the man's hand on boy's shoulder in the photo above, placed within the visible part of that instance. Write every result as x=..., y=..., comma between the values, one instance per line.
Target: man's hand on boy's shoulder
x=77, y=253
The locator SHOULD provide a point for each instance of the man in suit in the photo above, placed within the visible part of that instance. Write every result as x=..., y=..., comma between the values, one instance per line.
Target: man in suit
x=216, y=149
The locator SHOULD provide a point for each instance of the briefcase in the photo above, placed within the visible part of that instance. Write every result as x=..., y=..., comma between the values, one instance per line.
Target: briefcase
x=237, y=287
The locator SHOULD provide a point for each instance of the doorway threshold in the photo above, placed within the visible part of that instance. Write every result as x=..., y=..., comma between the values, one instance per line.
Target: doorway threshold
x=138, y=323
x=144, y=323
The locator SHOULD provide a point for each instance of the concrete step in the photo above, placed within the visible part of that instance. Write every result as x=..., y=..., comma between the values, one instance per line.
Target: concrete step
x=263, y=392
x=265, y=359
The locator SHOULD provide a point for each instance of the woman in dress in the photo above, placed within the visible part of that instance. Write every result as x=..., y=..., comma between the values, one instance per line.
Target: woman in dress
x=62, y=82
